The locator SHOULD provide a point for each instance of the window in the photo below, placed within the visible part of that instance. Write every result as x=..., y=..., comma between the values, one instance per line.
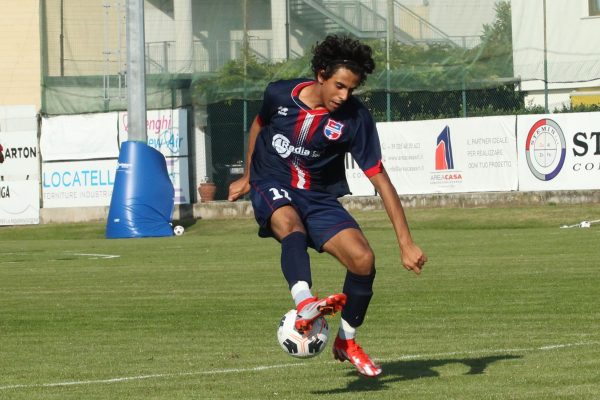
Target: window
x=594, y=7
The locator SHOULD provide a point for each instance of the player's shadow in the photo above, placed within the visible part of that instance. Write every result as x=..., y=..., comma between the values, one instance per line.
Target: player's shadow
x=397, y=371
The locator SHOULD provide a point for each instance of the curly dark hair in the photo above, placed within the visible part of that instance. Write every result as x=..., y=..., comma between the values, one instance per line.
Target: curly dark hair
x=335, y=52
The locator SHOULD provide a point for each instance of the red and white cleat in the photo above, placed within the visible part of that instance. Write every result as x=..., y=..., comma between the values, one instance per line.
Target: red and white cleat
x=313, y=308
x=349, y=350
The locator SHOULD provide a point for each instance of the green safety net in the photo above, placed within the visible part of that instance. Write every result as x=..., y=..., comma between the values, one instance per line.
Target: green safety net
x=207, y=52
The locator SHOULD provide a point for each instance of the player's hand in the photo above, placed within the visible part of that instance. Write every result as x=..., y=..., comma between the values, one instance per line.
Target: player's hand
x=413, y=258
x=238, y=188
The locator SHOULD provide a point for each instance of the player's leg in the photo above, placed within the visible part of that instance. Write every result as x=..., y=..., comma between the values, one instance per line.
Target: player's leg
x=277, y=218
x=287, y=227
x=352, y=249
x=332, y=229
x=295, y=264
x=277, y=213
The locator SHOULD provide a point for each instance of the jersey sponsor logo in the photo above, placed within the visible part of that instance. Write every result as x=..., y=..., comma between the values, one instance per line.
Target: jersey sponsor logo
x=284, y=148
x=333, y=129
x=281, y=110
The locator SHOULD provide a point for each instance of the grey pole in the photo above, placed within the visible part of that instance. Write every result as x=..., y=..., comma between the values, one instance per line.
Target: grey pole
x=287, y=29
x=246, y=52
x=136, y=72
x=388, y=41
x=545, y=63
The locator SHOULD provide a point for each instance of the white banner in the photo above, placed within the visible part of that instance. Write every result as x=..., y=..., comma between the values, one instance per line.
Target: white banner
x=166, y=131
x=18, y=118
x=80, y=155
x=179, y=174
x=358, y=183
x=78, y=183
x=90, y=183
x=20, y=202
x=79, y=137
x=19, y=160
x=445, y=156
x=559, y=151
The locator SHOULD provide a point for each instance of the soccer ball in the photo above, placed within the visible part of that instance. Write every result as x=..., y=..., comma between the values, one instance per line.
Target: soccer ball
x=295, y=344
x=178, y=230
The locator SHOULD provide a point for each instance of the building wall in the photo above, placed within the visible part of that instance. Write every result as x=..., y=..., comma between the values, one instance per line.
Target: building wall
x=217, y=32
x=573, y=55
x=462, y=20
x=93, y=37
x=20, y=49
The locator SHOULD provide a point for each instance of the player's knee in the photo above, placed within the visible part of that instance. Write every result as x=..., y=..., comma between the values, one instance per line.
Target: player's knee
x=282, y=232
x=285, y=221
x=364, y=262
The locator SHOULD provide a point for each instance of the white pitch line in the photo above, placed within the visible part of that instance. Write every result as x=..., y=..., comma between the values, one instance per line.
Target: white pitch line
x=106, y=256
x=276, y=366
x=466, y=352
x=142, y=377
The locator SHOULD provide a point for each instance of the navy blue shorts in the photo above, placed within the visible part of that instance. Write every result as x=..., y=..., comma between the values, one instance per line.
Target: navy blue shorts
x=322, y=214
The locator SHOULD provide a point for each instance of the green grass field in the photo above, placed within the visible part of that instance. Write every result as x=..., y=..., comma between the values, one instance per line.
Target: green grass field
x=508, y=308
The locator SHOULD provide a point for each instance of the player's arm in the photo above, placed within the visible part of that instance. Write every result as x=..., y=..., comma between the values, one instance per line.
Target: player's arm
x=413, y=258
x=240, y=187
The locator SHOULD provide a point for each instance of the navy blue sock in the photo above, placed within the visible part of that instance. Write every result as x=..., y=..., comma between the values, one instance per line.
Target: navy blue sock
x=359, y=290
x=295, y=262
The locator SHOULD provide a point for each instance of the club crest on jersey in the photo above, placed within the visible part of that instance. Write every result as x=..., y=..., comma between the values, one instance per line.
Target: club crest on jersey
x=333, y=129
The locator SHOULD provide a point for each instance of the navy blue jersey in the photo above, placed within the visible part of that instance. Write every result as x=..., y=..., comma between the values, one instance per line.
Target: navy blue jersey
x=306, y=148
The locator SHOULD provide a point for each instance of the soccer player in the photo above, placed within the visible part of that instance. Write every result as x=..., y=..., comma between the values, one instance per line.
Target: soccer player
x=295, y=174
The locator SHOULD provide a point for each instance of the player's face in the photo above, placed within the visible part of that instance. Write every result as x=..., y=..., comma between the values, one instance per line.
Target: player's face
x=337, y=89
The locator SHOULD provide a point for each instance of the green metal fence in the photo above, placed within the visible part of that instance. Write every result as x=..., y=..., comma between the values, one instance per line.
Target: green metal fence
x=220, y=58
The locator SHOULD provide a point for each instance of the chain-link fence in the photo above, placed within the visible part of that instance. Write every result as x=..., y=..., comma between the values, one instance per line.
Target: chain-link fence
x=435, y=58
x=230, y=49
